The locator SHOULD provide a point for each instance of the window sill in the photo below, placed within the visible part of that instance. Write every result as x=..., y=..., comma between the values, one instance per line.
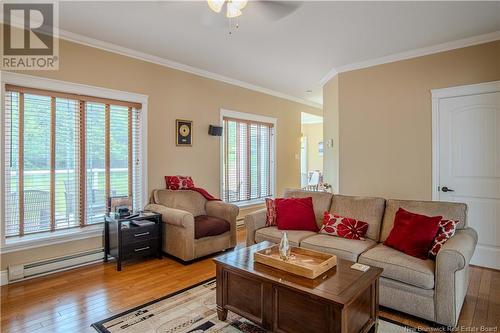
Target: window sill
x=249, y=203
x=43, y=239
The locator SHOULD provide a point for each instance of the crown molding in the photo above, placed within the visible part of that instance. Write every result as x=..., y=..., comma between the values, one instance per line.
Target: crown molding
x=331, y=74
x=448, y=46
x=110, y=47
x=117, y=49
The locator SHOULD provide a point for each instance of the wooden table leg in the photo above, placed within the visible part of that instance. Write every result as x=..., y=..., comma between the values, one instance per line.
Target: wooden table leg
x=221, y=312
x=374, y=328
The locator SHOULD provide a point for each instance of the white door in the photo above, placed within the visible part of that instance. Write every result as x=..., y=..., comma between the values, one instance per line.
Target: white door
x=469, y=162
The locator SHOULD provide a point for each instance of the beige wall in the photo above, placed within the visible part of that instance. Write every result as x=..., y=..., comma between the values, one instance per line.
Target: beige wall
x=331, y=133
x=176, y=94
x=385, y=119
x=314, y=134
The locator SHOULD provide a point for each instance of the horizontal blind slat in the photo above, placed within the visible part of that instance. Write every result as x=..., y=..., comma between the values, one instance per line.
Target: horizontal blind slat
x=51, y=163
x=246, y=162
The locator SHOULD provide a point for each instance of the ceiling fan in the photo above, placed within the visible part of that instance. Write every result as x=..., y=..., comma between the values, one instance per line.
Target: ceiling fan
x=233, y=7
x=267, y=10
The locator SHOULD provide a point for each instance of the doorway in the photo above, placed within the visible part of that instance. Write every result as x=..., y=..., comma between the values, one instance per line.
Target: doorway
x=311, y=151
x=466, y=160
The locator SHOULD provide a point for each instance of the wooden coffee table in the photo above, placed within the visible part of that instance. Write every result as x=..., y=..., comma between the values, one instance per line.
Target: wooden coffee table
x=340, y=300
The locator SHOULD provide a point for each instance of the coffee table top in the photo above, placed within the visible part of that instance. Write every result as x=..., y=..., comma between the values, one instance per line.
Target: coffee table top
x=339, y=284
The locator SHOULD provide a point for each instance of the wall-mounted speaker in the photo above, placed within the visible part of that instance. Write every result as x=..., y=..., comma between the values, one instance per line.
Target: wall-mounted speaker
x=215, y=130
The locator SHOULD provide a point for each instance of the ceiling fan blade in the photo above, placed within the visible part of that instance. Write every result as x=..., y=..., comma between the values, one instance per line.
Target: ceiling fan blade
x=276, y=10
x=211, y=19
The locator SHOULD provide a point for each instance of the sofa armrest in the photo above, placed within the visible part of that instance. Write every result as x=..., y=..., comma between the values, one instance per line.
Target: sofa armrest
x=225, y=211
x=452, y=275
x=253, y=222
x=177, y=217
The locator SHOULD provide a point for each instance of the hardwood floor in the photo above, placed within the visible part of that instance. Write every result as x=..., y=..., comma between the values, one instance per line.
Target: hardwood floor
x=70, y=301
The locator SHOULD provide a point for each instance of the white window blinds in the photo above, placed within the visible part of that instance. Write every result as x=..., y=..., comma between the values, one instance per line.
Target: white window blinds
x=65, y=155
x=247, y=162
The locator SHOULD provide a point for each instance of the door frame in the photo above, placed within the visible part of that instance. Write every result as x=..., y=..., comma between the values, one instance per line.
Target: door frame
x=443, y=93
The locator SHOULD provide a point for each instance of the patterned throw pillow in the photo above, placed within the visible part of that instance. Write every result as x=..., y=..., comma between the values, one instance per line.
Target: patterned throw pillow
x=344, y=227
x=446, y=230
x=271, y=212
x=179, y=182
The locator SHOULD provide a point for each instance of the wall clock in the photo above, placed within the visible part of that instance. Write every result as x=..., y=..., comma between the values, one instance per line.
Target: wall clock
x=184, y=132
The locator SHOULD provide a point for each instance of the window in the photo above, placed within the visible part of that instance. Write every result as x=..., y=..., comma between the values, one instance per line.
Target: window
x=248, y=160
x=65, y=155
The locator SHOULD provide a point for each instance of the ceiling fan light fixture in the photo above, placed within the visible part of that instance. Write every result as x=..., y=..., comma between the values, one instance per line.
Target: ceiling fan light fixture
x=232, y=11
x=239, y=4
x=216, y=5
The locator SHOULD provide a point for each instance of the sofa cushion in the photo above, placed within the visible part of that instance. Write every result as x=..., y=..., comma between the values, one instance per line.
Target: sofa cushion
x=400, y=267
x=413, y=233
x=186, y=200
x=345, y=227
x=295, y=214
x=348, y=249
x=448, y=210
x=447, y=229
x=270, y=212
x=205, y=226
x=321, y=201
x=366, y=209
x=273, y=235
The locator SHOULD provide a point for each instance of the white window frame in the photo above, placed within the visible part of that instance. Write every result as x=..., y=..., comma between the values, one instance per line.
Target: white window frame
x=249, y=117
x=65, y=235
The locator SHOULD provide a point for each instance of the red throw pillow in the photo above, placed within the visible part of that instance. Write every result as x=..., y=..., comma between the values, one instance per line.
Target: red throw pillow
x=345, y=227
x=413, y=233
x=271, y=212
x=179, y=182
x=295, y=214
x=446, y=230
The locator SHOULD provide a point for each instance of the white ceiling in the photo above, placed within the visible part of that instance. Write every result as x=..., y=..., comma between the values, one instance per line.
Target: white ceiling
x=308, y=118
x=289, y=55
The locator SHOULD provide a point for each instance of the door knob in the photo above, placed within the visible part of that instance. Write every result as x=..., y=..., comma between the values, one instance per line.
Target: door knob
x=446, y=189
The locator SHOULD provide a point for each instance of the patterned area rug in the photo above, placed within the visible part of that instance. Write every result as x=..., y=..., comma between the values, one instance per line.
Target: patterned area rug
x=192, y=310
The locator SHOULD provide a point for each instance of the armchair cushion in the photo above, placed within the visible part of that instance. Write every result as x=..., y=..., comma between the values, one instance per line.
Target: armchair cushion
x=205, y=226
x=189, y=201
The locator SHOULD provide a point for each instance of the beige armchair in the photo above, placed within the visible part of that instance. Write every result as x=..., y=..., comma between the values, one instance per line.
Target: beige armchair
x=193, y=226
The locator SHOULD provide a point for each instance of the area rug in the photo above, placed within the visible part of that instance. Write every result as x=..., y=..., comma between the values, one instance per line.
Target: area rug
x=193, y=310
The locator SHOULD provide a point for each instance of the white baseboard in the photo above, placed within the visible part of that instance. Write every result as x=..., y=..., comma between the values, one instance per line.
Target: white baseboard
x=4, y=278
x=486, y=256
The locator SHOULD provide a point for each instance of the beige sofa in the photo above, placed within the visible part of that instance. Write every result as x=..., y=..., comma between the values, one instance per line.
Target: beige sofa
x=433, y=290
x=183, y=213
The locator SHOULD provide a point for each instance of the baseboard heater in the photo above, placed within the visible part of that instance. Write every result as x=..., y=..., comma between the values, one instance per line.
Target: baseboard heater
x=240, y=222
x=49, y=266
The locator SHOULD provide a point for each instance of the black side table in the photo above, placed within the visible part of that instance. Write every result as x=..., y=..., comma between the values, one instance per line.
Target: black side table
x=124, y=240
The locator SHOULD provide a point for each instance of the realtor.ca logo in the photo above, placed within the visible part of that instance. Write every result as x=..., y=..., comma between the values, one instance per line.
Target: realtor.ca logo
x=30, y=36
